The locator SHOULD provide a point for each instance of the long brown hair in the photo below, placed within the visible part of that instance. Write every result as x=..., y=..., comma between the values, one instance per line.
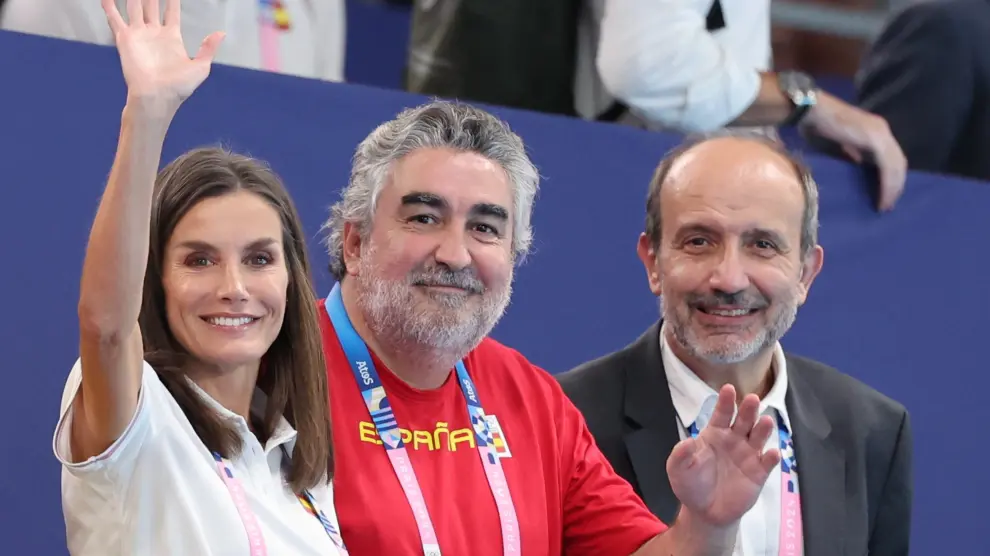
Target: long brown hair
x=294, y=375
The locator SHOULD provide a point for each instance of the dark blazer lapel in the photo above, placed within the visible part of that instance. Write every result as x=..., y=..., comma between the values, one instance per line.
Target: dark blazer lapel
x=821, y=467
x=653, y=434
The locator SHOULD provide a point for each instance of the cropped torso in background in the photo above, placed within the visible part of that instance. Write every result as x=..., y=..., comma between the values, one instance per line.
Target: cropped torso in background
x=298, y=37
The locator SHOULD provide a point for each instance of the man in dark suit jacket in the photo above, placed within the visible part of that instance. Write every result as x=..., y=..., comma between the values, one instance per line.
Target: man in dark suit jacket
x=731, y=247
x=928, y=75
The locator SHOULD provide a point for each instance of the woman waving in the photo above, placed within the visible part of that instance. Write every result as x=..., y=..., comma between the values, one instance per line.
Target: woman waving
x=195, y=420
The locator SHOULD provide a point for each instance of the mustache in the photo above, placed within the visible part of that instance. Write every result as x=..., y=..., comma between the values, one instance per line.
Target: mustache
x=465, y=279
x=742, y=299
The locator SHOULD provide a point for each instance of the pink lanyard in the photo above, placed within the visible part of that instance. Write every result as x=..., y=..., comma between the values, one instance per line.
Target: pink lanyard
x=791, y=531
x=251, y=527
x=269, y=35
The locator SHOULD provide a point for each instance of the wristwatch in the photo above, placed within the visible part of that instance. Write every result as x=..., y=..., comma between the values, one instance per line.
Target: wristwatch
x=801, y=90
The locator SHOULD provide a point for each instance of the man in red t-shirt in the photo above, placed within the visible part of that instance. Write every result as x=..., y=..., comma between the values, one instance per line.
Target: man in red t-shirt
x=447, y=441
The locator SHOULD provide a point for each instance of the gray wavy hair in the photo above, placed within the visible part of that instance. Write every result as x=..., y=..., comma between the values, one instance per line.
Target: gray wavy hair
x=438, y=124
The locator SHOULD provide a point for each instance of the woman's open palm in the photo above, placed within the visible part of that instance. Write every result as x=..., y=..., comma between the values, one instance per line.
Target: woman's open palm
x=152, y=56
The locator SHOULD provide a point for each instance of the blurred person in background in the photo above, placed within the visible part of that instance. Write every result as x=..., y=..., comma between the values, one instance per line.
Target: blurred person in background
x=699, y=66
x=674, y=65
x=295, y=37
x=521, y=54
x=928, y=75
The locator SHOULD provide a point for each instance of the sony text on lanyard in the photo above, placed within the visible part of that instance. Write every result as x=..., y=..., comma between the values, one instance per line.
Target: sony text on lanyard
x=255, y=539
x=387, y=428
x=791, y=531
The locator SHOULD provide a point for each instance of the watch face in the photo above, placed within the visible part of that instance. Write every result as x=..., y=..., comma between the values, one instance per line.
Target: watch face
x=807, y=98
x=799, y=87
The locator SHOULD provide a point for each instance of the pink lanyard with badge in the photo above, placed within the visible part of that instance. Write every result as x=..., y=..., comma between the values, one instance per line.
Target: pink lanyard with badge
x=272, y=20
x=256, y=540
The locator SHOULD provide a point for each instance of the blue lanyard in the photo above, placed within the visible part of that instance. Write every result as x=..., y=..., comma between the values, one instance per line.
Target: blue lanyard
x=387, y=427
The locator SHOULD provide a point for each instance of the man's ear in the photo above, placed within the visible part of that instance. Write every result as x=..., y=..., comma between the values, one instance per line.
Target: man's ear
x=353, y=242
x=648, y=255
x=810, y=268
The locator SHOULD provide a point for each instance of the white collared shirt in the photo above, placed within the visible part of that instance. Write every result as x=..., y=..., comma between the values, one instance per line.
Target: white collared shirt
x=694, y=401
x=157, y=489
x=659, y=58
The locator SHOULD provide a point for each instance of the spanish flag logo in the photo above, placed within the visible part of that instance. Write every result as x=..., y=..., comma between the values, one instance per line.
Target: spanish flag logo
x=309, y=507
x=282, y=21
x=275, y=14
x=499, y=442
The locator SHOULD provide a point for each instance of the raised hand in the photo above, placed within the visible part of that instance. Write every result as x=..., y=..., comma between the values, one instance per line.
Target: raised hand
x=719, y=474
x=863, y=137
x=155, y=62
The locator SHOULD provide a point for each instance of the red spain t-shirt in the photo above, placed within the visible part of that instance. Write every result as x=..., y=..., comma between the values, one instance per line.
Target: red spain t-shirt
x=567, y=498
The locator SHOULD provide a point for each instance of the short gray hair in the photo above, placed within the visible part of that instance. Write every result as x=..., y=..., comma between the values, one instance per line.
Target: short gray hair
x=809, y=219
x=438, y=124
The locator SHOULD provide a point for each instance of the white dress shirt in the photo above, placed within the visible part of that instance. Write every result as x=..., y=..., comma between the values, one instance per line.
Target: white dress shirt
x=312, y=46
x=157, y=490
x=660, y=60
x=694, y=402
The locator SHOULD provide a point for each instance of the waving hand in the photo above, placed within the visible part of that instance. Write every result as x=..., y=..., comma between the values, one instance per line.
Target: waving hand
x=152, y=55
x=720, y=473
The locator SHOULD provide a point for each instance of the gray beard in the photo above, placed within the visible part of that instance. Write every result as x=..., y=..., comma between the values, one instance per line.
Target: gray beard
x=729, y=352
x=443, y=334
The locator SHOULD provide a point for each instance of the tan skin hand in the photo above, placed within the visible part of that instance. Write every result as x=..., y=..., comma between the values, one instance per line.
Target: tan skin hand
x=862, y=134
x=152, y=55
x=719, y=474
